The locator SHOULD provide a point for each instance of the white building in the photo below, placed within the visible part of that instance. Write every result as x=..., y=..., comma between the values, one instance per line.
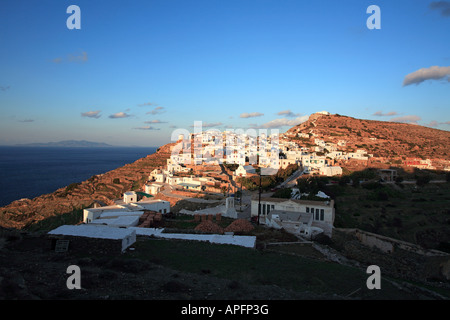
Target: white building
x=129, y=197
x=330, y=171
x=153, y=188
x=311, y=162
x=293, y=222
x=337, y=155
x=243, y=171
x=358, y=155
x=158, y=175
x=124, y=237
x=322, y=212
x=284, y=163
x=135, y=209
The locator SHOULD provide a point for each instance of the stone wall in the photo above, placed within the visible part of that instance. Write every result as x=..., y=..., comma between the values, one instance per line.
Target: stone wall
x=394, y=257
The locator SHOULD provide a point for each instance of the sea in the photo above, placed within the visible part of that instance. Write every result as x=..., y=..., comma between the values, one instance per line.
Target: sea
x=28, y=172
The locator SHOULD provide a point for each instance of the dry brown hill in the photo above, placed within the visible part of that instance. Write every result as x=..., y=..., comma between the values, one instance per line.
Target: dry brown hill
x=380, y=138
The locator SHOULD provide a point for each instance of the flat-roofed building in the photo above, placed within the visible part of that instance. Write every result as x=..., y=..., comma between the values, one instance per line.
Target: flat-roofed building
x=322, y=212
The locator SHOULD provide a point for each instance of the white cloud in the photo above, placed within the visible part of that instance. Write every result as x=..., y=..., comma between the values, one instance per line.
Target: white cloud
x=381, y=114
x=91, y=114
x=146, y=128
x=406, y=119
x=119, y=115
x=435, y=123
x=431, y=73
x=278, y=123
x=155, y=121
x=147, y=104
x=288, y=113
x=156, y=110
x=251, y=115
x=209, y=125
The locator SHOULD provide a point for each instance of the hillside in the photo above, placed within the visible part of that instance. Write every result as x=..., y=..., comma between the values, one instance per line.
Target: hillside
x=396, y=141
x=78, y=195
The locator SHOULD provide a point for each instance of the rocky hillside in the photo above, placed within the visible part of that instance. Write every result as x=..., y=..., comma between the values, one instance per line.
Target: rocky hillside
x=380, y=138
x=103, y=187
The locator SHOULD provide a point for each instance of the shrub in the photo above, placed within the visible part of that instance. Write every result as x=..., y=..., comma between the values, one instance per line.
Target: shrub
x=382, y=196
x=72, y=186
x=423, y=180
x=283, y=193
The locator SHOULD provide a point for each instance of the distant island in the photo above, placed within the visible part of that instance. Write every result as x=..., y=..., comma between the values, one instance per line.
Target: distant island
x=68, y=144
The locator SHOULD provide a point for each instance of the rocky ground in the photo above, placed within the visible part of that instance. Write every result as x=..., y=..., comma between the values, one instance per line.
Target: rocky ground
x=383, y=139
x=29, y=269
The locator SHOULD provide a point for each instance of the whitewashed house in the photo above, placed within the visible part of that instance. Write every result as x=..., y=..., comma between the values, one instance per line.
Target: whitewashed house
x=157, y=175
x=294, y=222
x=323, y=212
x=243, y=171
x=135, y=209
x=358, y=155
x=153, y=188
x=130, y=196
x=330, y=171
x=122, y=236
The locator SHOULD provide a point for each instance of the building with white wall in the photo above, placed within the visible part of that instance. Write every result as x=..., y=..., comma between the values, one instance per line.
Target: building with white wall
x=122, y=236
x=153, y=188
x=135, y=209
x=323, y=212
x=330, y=171
x=243, y=171
x=129, y=197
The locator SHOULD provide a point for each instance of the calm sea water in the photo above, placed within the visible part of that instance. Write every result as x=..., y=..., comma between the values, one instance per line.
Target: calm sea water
x=28, y=172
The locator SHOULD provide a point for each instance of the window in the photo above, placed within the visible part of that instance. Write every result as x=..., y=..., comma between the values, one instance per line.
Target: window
x=307, y=209
x=317, y=214
x=263, y=209
x=322, y=213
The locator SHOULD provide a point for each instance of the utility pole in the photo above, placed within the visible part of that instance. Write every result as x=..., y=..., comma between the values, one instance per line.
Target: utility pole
x=259, y=199
x=240, y=198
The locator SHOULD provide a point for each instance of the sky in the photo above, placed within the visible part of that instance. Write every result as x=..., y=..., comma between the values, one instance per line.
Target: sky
x=137, y=70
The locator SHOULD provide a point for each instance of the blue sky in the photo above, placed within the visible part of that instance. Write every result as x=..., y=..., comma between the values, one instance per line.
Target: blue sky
x=138, y=69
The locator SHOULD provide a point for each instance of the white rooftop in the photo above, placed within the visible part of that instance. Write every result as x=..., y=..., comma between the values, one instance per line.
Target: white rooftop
x=243, y=241
x=123, y=221
x=111, y=214
x=92, y=231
